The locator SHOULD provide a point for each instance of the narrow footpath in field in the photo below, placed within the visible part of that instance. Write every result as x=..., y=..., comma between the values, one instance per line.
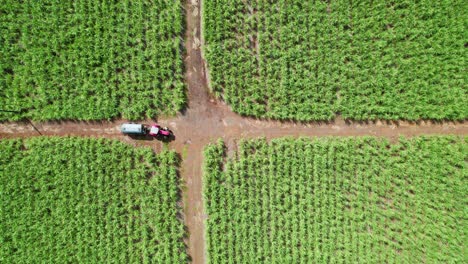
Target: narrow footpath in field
x=206, y=120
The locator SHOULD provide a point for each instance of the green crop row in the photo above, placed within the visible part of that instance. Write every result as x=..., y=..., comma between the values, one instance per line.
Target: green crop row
x=312, y=60
x=90, y=60
x=349, y=200
x=71, y=200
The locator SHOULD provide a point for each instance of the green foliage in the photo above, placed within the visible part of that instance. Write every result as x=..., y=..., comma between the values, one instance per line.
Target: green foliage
x=70, y=200
x=348, y=200
x=90, y=60
x=311, y=60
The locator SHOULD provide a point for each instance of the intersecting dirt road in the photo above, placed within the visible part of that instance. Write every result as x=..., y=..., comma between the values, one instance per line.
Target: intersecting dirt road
x=206, y=119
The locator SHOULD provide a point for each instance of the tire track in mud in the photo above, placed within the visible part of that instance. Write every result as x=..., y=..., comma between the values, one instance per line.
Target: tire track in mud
x=205, y=120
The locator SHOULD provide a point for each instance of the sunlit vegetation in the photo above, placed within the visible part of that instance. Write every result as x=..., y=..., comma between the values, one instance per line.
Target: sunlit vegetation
x=90, y=60
x=312, y=60
x=71, y=200
x=348, y=200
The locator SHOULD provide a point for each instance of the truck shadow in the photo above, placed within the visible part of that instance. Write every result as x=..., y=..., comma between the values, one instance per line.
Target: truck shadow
x=167, y=139
x=150, y=138
x=142, y=137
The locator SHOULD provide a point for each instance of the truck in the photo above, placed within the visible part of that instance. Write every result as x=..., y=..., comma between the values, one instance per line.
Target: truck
x=154, y=130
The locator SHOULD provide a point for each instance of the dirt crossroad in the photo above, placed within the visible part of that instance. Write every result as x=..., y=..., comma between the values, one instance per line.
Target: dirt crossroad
x=206, y=120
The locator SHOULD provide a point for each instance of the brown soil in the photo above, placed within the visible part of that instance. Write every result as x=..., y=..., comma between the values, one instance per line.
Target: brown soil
x=206, y=120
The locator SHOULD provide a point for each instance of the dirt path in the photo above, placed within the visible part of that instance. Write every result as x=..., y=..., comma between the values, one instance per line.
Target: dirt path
x=205, y=120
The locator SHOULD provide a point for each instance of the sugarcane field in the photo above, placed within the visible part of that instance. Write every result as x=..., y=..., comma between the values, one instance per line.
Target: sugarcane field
x=233, y=131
